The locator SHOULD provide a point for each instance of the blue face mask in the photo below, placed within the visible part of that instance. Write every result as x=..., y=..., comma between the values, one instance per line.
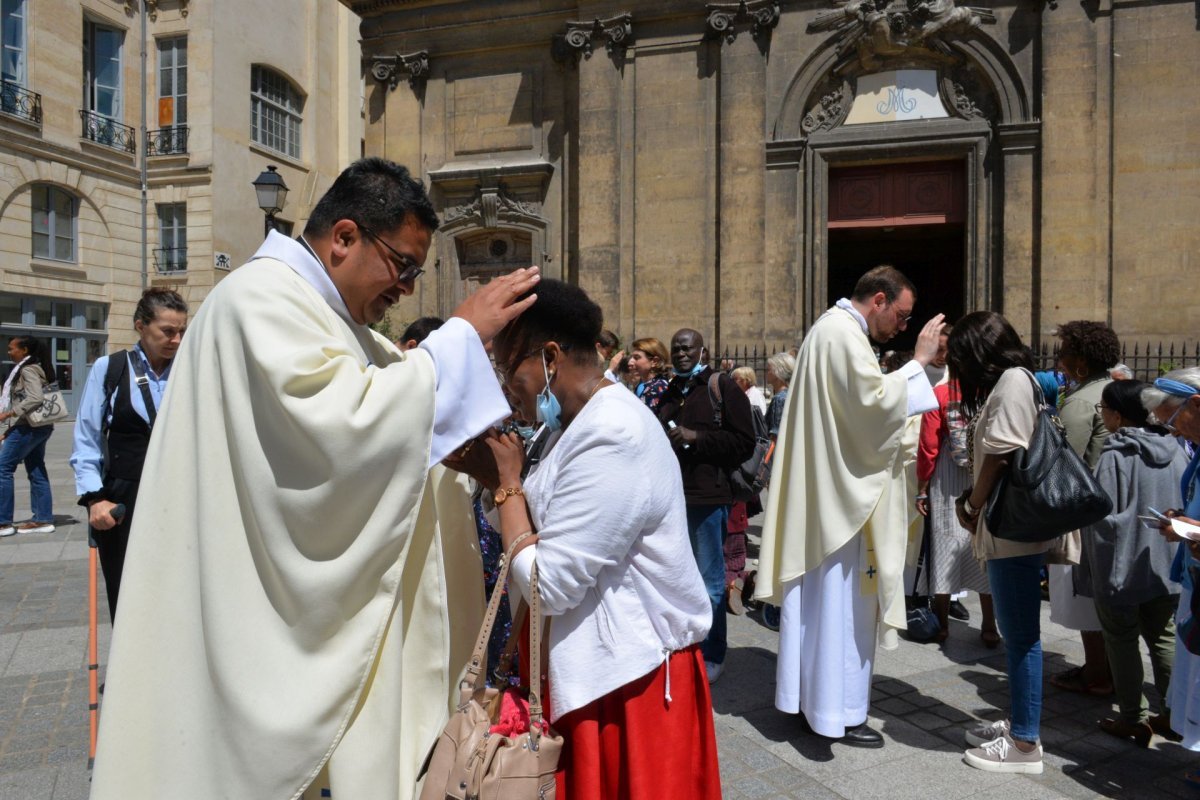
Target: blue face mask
x=549, y=409
x=524, y=431
x=696, y=370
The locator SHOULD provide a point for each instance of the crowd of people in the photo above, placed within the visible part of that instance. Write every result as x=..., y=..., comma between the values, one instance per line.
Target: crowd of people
x=321, y=515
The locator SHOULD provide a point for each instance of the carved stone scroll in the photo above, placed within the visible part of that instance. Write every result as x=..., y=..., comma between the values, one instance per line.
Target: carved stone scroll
x=491, y=206
x=389, y=69
x=576, y=40
x=763, y=16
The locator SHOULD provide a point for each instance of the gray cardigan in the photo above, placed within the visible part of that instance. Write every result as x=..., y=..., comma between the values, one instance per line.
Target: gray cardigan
x=1125, y=562
x=27, y=392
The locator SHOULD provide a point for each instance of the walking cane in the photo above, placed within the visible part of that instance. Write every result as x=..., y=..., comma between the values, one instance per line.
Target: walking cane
x=117, y=513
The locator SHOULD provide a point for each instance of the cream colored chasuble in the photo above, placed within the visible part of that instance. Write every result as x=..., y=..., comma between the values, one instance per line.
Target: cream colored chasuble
x=292, y=574
x=840, y=464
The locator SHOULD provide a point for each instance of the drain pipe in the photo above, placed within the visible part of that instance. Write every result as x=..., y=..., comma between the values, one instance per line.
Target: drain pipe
x=142, y=150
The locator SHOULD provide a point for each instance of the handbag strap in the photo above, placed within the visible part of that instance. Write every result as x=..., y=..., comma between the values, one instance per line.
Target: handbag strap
x=473, y=681
x=535, y=662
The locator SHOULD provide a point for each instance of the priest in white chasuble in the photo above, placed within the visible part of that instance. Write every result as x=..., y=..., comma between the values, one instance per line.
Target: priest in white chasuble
x=303, y=580
x=836, y=525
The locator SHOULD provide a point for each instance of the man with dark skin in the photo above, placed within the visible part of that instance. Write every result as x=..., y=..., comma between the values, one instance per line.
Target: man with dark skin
x=708, y=421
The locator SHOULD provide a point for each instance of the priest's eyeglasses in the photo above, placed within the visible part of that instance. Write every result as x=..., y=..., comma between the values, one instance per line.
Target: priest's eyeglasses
x=407, y=270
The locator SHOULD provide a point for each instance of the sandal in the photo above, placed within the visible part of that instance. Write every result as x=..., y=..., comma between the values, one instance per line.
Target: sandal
x=990, y=639
x=1072, y=680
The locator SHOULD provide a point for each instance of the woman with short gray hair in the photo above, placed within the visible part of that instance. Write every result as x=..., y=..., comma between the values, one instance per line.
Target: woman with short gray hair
x=1174, y=400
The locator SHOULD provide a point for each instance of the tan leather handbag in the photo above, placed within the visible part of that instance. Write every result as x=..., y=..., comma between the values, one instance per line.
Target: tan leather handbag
x=471, y=763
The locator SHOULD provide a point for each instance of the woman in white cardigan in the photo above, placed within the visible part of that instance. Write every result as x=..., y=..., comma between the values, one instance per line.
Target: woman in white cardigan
x=615, y=568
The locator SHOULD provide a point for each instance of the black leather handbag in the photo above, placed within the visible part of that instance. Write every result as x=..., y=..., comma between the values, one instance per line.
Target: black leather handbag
x=1048, y=490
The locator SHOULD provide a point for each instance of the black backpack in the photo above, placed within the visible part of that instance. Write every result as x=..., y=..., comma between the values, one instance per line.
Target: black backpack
x=754, y=474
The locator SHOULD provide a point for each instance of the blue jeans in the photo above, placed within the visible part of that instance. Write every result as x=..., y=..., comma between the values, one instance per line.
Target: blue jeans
x=28, y=445
x=1017, y=595
x=706, y=529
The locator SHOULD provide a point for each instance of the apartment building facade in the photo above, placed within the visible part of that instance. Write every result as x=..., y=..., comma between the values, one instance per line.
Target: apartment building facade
x=186, y=102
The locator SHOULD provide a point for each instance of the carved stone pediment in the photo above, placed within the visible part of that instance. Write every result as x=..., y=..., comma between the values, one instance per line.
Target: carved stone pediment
x=870, y=29
x=494, y=207
x=390, y=69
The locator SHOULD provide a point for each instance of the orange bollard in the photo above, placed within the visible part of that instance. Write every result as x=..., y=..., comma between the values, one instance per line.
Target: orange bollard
x=93, y=659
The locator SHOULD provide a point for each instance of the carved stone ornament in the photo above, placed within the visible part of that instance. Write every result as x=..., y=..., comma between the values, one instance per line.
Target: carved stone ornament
x=389, y=69
x=722, y=17
x=491, y=206
x=964, y=105
x=868, y=29
x=152, y=8
x=829, y=112
x=617, y=33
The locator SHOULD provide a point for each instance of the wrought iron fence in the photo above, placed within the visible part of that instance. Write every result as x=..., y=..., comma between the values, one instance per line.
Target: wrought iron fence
x=20, y=102
x=169, y=260
x=167, y=141
x=1147, y=360
x=102, y=130
x=749, y=356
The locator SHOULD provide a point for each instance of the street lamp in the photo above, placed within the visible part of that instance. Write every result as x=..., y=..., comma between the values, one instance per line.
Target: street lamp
x=271, y=192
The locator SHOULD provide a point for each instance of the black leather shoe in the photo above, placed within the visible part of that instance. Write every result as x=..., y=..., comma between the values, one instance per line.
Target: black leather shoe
x=959, y=611
x=862, y=736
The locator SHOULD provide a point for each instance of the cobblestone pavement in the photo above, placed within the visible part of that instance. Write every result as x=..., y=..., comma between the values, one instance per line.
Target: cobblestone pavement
x=921, y=699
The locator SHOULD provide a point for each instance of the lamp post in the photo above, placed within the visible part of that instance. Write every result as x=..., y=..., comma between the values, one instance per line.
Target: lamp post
x=271, y=192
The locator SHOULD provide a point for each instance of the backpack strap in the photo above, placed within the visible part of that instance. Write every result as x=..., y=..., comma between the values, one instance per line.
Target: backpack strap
x=143, y=384
x=118, y=363
x=714, y=396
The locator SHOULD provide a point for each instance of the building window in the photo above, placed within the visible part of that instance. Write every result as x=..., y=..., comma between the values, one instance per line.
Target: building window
x=102, y=69
x=172, y=237
x=54, y=213
x=172, y=81
x=12, y=35
x=275, y=108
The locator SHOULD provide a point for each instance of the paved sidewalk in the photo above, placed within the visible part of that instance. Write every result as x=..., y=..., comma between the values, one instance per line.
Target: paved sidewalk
x=922, y=697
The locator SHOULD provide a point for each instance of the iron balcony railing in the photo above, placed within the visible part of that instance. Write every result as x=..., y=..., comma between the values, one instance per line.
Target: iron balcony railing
x=102, y=130
x=170, y=260
x=20, y=102
x=168, y=141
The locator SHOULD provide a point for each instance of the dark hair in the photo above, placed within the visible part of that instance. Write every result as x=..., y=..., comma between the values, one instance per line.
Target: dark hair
x=562, y=313
x=608, y=339
x=1095, y=342
x=884, y=278
x=421, y=328
x=155, y=300
x=982, y=346
x=39, y=353
x=374, y=192
x=1125, y=398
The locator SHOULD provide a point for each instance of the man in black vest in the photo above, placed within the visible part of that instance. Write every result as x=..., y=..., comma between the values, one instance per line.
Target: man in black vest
x=710, y=427
x=113, y=425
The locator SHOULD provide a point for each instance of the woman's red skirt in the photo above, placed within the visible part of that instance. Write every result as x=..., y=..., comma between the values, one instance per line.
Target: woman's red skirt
x=631, y=743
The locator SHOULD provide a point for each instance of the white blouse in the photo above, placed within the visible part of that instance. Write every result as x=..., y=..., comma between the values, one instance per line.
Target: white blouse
x=615, y=565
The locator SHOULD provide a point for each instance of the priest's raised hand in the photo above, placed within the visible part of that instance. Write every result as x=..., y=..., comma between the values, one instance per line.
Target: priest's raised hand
x=491, y=308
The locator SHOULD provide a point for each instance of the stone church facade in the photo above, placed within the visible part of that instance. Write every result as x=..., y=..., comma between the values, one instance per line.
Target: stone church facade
x=734, y=166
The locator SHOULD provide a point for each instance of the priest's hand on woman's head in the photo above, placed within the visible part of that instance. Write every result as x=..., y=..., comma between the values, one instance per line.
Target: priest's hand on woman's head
x=927, y=340
x=491, y=308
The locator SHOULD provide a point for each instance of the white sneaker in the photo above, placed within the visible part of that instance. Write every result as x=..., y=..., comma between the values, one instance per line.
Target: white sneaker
x=36, y=527
x=986, y=732
x=1003, y=755
x=714, y=671
x=7, y=530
